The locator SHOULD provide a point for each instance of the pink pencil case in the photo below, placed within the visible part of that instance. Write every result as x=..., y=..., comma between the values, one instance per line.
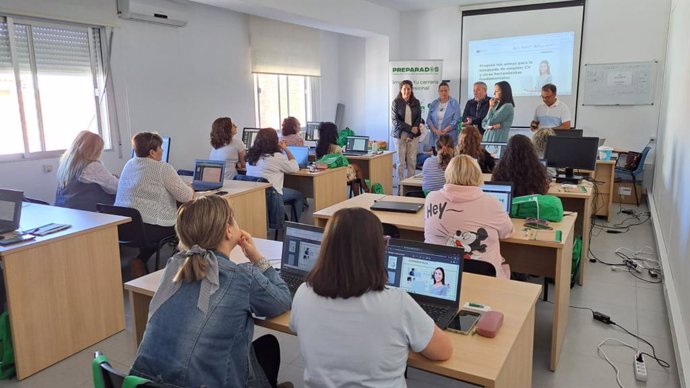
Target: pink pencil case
x=489, y=324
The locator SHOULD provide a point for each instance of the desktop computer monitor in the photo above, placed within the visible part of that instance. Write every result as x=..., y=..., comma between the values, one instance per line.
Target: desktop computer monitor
x=570, y=153
x=312, y=133
x=569, y=132
x=249, y=135
x=166, y=149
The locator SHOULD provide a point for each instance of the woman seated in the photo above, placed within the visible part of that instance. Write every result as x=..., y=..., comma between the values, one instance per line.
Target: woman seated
x=435, y=166
x=227, y=146
x=520, y=165
x=471, y=144
x=539, y=139
x=265, y=159
x=471, y=220
x=328, y=144
x=200, y=320
x=153, y=188
x=83, y=181
x=290, y=132
x=352, y=329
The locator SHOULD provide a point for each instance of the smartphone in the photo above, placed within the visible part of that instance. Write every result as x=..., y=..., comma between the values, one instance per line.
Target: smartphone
x=464, y=322
x=17, y=239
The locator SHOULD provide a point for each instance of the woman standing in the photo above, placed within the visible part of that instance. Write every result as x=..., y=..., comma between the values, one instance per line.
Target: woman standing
x=500, y=117
x=290, y=132
x=227, y=146
x=83, y=181
x=406, y=114
x=471, y=144
x=444, y=115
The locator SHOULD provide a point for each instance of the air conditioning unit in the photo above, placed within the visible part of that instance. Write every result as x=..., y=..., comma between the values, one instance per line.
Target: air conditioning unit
x=170, y=12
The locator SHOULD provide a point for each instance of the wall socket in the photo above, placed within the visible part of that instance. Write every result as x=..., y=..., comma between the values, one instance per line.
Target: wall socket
x=47, y=168
x=624, y=191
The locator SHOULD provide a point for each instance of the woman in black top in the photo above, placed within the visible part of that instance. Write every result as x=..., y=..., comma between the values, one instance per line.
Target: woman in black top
x=520, y=164
x=406, y=114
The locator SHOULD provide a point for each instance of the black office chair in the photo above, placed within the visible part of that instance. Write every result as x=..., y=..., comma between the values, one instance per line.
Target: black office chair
x=105, y=376
x=416, y=194
x=634, y=166
x=133, y=234
x=185, y=172
x=32, y=200
x=360, y=187
x=479, y=267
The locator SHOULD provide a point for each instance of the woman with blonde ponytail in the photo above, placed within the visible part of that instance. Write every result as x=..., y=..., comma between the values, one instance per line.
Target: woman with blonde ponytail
x=435, y=166
x=200, y=319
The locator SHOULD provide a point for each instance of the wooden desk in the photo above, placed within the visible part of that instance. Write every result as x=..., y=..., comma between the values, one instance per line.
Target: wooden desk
x=248, y=202
x=64, y=290
x=604, y=173
x=414, y=183
x=376, y=168
x=503, y=361
x=544, y=258
x=326, y=187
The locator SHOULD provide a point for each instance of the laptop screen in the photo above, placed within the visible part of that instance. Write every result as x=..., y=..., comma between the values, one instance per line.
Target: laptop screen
x=301, y=246
x=249, y=135
x=427, y=270
x=495, y=149
x=503, y=191
x=10, y=209
x=312, y=131
x=358, y=143
x=301, y=155
x=209, y=171
x=165, y=147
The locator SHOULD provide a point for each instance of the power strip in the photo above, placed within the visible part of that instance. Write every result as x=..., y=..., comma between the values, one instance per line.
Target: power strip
x=640, y=368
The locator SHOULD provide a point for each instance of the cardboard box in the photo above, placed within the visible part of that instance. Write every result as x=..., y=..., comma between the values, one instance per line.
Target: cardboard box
x=623, y=192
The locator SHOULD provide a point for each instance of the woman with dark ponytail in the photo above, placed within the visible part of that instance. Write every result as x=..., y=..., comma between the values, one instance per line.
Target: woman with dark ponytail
x=435, y=166
x=200, y=320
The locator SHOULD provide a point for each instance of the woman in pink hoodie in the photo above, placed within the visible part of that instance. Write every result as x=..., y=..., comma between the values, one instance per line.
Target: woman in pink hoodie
x=461, y=215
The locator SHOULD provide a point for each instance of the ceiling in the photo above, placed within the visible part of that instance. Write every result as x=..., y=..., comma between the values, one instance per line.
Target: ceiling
x=412, y=5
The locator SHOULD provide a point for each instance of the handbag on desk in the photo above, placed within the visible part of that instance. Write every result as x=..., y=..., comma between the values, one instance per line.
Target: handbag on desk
x=543, y=207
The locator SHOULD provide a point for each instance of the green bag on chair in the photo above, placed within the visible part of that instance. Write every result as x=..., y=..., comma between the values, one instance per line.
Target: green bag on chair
x=377, y=188
x=342, y=136
x=334, y=160
x=544, y=207
x=7, y=370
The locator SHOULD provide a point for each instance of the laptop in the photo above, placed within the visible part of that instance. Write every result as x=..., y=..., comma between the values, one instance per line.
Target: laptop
x=301, y=155
x=357, y=145
x=165, y=147
x=249, y=135
x=411, y=266
x=503, y=191
x=10, y=209
x=495, y=149
x=398, y=207
x=301, y=245
x=208, y=174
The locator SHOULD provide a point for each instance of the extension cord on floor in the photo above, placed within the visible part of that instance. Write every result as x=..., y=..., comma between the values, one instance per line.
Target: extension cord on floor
x=640, y=368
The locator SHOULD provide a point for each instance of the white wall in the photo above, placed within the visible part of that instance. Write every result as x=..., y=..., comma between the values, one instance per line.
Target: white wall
x=671, y=191
x=352, y=83
x=614, y=31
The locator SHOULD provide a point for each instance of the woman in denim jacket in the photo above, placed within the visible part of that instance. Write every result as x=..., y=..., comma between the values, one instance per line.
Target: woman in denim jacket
x=200, y=320
x=444, y=115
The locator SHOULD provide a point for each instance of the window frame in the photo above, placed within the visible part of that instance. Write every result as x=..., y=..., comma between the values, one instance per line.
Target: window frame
x=102, y=97
x=308, y=97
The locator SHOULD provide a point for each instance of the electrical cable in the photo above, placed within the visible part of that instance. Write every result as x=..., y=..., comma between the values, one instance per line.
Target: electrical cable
x=601, y=350
x=659, y=361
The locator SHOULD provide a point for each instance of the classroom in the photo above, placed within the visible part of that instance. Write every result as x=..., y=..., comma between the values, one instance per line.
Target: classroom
x=179, y=177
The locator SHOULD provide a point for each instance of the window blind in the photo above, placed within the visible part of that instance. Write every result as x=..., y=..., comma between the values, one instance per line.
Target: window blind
x=93, y=12
x=283, y=48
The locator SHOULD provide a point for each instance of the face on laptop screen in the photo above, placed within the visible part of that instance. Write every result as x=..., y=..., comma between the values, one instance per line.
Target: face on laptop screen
x=502, y=192
x=357, y=143
x=208, y=172
x=301, y=248
x=421, y=270
x=495, y=149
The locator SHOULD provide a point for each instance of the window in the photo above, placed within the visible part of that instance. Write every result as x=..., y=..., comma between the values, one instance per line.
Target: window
x=279, y=96
x=52, y=86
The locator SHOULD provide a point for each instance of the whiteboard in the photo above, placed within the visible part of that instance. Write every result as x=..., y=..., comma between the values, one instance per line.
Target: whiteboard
x=619, y=83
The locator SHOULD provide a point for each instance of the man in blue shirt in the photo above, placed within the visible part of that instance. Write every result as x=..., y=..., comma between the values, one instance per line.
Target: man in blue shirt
x=476, y=108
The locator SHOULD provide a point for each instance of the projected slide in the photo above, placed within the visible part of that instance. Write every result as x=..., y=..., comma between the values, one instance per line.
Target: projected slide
x=526, y=62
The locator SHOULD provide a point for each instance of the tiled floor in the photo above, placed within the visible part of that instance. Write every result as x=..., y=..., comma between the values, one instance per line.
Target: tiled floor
x=634, y=304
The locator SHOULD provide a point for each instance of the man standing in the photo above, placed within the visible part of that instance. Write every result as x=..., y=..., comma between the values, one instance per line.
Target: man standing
x=477, y=108
x=551, y=113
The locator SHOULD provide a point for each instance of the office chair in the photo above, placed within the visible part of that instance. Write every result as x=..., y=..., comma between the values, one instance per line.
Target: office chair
x=635, y=169
x=133, y=234
x=479, y=267
x=185, y=172
x=274, y=205
x=105, y=376
x=360, y=188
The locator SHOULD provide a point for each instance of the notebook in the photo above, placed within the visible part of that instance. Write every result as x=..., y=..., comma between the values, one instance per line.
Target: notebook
x=301, y=155
x=10, y=209
x=301, y=246
x=399, y=207
x=503, y=191
x=414, y=267
x=208, y=174
x=495, y=149
x=357, y=145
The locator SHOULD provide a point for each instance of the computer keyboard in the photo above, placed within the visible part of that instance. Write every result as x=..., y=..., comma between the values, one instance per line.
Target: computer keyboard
x=293, y=282
x=434, y=311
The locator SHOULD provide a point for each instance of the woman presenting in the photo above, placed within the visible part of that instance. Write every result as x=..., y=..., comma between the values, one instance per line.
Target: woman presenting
x=444, y=115
x=406, y=114
x=500, y=117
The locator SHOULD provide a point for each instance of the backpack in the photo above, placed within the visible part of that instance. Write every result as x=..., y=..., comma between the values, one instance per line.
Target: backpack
x=342, y=136
x=6, y=349
x=334, y=160
x=545, y=207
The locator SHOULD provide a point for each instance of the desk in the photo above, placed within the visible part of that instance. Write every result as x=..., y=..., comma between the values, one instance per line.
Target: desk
x=248, y=202
x=376, y=168
x=544, y=258
x=503, y=361
x=604, y=173
x=326, y=187
x=64, y=290
x=414, y=183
